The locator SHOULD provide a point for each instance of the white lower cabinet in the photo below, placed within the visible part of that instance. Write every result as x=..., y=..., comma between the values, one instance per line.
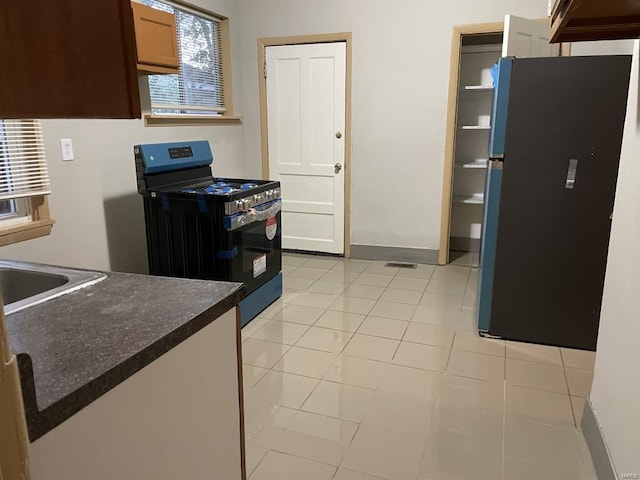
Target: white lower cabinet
x=177, y=418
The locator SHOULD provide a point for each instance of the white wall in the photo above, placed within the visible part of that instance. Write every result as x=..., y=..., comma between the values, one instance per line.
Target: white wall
x=615, y=395
x=401, y=53
x=603, y=47
x=98, y=213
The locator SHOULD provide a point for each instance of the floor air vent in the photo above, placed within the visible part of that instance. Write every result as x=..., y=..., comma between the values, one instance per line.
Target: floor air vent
x=401, y=265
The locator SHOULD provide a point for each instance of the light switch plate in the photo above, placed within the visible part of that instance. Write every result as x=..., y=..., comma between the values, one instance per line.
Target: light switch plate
x=67, y=149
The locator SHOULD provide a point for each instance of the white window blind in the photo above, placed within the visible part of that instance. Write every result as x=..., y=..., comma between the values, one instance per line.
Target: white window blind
x=23, y=166
x=198, y=88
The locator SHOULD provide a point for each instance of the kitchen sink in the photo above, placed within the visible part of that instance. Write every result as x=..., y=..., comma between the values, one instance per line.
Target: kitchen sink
x=26, y=284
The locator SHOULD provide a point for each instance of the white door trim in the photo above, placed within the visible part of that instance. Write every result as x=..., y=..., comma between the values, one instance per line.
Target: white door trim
x=262, y=87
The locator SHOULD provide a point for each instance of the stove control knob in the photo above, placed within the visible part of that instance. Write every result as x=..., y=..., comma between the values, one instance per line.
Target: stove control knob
x=269, y=194
x=239, y=204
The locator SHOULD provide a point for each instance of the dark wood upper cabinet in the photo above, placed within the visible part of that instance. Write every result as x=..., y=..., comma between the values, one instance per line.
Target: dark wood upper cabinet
x=586, y=20
x=68, y=59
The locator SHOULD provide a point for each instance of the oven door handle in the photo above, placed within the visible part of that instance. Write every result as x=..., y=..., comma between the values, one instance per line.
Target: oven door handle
x=258, y=214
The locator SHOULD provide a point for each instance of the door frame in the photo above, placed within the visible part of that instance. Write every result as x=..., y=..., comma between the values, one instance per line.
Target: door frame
x=452, y=117
x=345, y=37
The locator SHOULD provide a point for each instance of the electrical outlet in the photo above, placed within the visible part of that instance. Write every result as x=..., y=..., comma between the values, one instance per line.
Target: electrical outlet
x=67, y=149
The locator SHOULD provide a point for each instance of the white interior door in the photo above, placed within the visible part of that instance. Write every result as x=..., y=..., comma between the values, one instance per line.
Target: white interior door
x=525, y=38
x=306, y=89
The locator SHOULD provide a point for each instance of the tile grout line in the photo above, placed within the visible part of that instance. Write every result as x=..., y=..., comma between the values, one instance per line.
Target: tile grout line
x=566, y=379
x=504, y=412
x=259, y=461
x=344, y=454
x=311, y=393
x=504, y=420
x=436, y=410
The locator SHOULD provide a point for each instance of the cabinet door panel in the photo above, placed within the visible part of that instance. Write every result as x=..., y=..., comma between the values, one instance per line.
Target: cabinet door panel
x=156, y=38
x=68, y=59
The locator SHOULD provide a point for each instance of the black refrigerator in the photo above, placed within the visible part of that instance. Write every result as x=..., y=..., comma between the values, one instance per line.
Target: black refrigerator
x=555, y=146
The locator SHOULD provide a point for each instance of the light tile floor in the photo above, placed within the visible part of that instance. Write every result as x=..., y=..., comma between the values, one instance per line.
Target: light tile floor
x=363, y=372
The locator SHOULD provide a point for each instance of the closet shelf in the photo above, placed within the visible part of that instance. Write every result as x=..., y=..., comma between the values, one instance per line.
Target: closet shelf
x=476, y=164
x=475, y=199
x=478, y=88
x=475, y=127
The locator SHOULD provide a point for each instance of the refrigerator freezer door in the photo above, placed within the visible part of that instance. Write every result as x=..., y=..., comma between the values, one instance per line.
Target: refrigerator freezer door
x=502, y=80
x=488, y=244
x=552, y=241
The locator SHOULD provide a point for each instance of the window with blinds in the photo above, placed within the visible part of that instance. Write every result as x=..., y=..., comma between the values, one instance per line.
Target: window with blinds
x=198, y=88
x=23, y=166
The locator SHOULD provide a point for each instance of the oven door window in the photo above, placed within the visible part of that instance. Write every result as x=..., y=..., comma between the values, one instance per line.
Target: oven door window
x=259, y=252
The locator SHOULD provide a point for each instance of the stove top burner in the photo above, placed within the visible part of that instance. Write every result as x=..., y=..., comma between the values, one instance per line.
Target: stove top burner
x=221, y=190
x=219, y=187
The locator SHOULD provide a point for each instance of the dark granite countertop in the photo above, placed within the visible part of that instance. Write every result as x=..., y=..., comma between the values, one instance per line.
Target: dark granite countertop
x=74, y=348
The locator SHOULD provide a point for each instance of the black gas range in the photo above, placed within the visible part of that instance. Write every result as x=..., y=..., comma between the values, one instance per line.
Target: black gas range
x=200, y=226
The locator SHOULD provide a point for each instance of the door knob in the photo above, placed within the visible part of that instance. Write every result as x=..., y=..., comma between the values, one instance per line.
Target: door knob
x=338, y=134
x=338, y=167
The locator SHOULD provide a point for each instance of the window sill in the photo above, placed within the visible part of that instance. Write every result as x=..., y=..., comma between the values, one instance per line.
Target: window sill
x=39, y=226
x=25, y=231
x=189, y=120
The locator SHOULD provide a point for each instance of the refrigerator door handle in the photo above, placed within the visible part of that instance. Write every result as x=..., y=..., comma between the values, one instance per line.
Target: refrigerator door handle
x=571, y=174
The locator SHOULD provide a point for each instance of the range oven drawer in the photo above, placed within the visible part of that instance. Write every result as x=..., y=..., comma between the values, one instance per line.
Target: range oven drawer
x=187, y=238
